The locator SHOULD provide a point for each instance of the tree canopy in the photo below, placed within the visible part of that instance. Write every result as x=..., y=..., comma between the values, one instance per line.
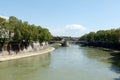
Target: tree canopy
x=111, y=36
x=18, y=31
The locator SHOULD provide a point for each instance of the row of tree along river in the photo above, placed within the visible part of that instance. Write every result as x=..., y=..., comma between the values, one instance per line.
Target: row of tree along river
x=102, y=38
x=16, y=34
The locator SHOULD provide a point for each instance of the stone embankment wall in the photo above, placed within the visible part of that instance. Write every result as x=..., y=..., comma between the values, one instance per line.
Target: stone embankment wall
x=36, y=46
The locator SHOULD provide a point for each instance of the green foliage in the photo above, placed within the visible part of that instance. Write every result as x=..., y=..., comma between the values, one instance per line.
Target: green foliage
x=22, y=31
x=112, y=36
x=17, y=35
x=44, y=35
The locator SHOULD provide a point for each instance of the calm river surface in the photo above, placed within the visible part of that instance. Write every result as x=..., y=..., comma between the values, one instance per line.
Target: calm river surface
x=65, y=63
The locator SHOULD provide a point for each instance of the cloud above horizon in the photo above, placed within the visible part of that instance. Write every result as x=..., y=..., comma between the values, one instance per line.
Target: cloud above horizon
x=68, y=30
x=75, y=27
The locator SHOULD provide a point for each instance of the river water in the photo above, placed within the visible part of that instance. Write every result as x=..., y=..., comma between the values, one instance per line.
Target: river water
x=65, y=63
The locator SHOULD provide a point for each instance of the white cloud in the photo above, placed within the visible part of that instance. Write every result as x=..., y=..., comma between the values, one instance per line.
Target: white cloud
x=58, y=31
x=74, y=30
x=76, y=27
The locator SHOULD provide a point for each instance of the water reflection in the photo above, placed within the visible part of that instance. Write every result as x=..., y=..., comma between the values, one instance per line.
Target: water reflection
x=96, y=54
x=115, y=61
x=117, y=78
x=104, y=56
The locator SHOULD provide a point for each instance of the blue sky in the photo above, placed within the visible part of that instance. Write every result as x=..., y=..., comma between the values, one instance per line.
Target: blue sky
x=65, y=17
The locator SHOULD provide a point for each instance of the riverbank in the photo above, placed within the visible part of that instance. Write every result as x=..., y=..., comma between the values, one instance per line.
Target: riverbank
x=109, y=45
x=112, y=51
x=27, y=54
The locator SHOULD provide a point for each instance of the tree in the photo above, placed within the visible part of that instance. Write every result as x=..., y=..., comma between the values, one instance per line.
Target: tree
x=44, y=35
x=22, y=31
x=108, y=36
